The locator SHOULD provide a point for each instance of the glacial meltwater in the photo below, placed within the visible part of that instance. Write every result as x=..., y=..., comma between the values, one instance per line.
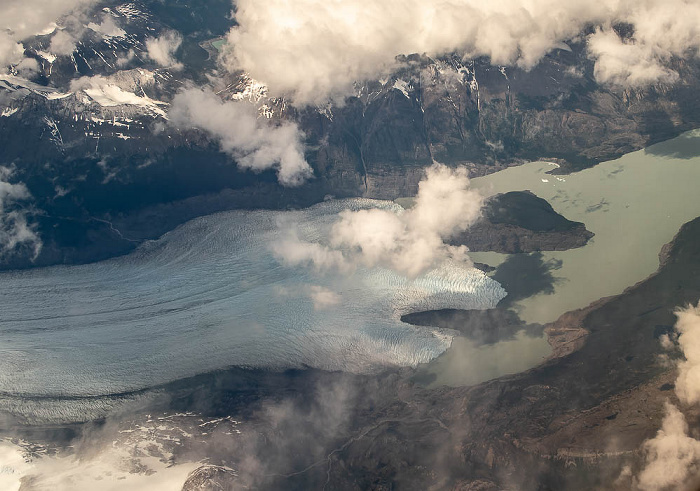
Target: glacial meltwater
x=634, y=205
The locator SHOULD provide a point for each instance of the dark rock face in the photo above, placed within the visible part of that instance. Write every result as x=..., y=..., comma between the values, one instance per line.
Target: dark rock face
x=524, y=209
x=517, y=222
x=484, y=267
x=481, y=326
x=211, y=478
x=510, y=239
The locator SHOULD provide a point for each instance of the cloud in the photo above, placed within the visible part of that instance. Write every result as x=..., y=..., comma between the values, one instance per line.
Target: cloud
x=11, y=52
x=323, y=298
x=297, y=431
x=672, y=455
x=124, y=60
x=27, y=68
x=15, y=231
x=662, y=30
x=162, y=49
x=625, y=63
x=256, y=144
x=107, y=28
x=688, y=330
x=73, y=27
x=20, y=19
x=409, y=242
x=312, y=50
x=62, y=43
x=292, y=251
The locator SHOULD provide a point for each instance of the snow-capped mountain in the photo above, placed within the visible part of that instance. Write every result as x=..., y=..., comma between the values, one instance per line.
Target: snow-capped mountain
x=87, y=128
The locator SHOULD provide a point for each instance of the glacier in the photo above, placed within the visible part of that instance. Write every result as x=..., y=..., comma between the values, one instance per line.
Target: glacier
x=210, y=295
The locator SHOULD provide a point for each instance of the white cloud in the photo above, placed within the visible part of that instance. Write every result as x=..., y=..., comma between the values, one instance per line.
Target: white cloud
x=27, y=68
x=662, y=30
x=20, y=19
x=256, y=144
x=293, y=251
x=409, y=242
x=124, y=60
x=672, y=455
x=62, y=43
x=15, y=231
x=625, y=63
x=323, y=298
x=107, y=28
x=688, y=329
x=11, y=52
x=311, y=50
x=162, y=49
x=26, y=18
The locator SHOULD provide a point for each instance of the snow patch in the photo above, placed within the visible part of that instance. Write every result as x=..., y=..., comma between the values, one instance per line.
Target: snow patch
x=50, y=57
x=131, y=12
x=14, y=83
x=111, y=95
x=52, y=96
x=403, y=86
x=251, y=90
x=112, y=92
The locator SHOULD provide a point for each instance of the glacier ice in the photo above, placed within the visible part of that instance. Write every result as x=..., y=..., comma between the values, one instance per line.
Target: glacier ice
x=209, y=295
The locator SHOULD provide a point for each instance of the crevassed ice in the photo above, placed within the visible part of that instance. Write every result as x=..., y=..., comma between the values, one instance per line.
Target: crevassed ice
x=210, y=295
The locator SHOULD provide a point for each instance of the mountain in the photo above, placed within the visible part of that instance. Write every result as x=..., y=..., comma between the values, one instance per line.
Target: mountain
x=88, y=133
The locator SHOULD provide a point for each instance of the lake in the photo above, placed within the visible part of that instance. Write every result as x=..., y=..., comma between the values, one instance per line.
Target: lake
x=634, y=205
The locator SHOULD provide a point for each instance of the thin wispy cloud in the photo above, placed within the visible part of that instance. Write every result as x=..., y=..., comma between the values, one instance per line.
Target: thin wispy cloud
x=21, y=19
x=256, y=143
x=16, y=232
x=162, y=49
